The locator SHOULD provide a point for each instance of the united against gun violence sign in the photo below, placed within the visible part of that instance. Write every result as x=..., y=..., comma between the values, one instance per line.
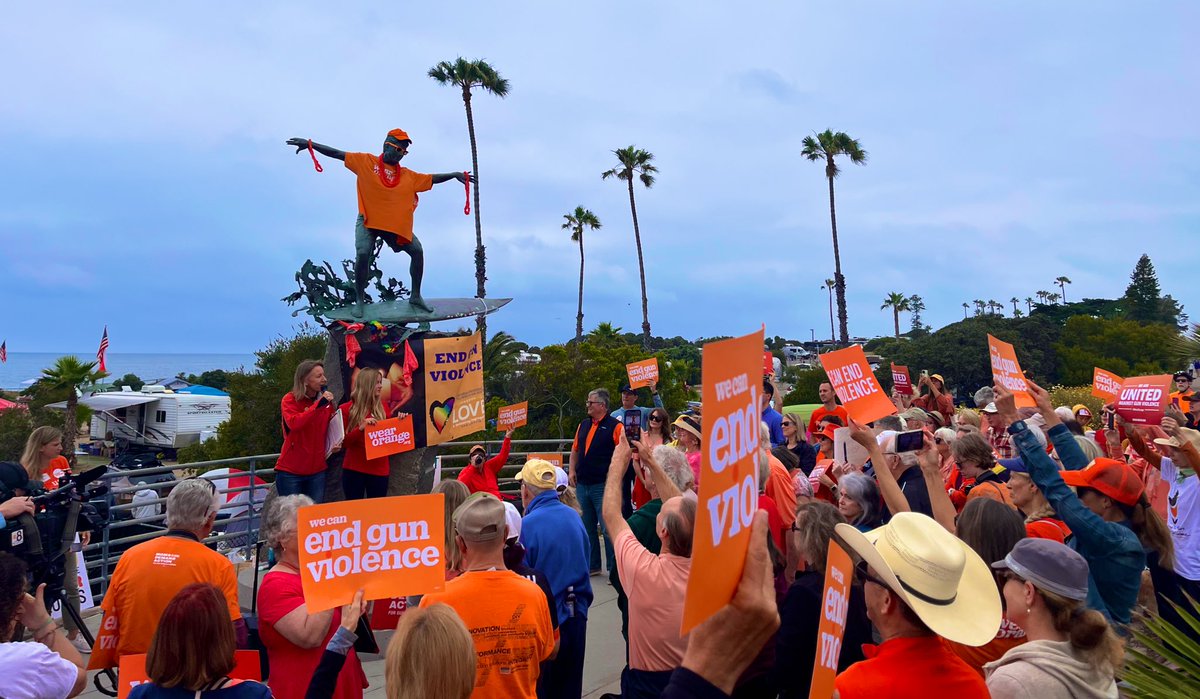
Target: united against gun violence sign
x=732, y=394
x=1144, y=398
x=388, y=547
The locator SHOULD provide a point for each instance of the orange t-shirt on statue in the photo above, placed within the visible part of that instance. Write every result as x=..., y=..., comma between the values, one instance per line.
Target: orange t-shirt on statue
x=387, y=208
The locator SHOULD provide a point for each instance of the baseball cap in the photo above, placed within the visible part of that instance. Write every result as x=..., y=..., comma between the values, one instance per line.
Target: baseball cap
x=938, y=377
x=1081, y=409
x=990, y=408
x=480, y=518
x=1015, y=464
x=477, y=447
x=829, y=431
x=1050, y=565
x=512, y=520
x=538, y=473
x=626, y=388
x=561, y=481
x=1115, y=479
x=399, y=135
x=916, y=414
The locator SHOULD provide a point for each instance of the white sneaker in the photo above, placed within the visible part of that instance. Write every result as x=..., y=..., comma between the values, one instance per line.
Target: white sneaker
x=80, y=644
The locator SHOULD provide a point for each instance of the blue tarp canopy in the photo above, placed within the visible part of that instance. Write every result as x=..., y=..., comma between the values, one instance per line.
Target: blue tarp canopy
x=202, y=391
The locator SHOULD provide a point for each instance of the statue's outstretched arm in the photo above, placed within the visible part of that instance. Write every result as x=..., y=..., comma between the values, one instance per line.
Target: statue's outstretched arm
x=301, y=145
x=438, y=178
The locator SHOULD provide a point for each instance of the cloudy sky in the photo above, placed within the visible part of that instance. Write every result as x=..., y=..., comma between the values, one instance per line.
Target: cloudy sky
x=146, y=184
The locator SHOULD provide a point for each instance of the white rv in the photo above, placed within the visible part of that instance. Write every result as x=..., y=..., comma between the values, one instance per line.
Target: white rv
x=154, y=416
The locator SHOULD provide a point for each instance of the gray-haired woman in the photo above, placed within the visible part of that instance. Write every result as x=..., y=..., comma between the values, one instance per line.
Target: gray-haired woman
x=858, y=501
x=294, y=638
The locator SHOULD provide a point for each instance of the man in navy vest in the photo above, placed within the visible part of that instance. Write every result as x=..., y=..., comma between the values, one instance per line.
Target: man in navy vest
x=587, y=470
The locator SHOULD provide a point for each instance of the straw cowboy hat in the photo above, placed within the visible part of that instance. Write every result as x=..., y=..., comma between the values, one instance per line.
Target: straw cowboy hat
x=942, y=579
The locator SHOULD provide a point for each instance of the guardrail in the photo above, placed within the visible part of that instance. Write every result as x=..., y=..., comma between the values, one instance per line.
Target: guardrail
x=124, y=531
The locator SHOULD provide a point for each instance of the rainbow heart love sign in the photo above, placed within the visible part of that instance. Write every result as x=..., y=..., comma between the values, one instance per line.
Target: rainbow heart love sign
x=453, y=387
x=439, y=413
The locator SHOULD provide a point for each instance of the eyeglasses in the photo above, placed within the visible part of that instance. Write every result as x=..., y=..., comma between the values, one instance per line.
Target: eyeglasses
x=211, y=486
x=595, y=402
x=656, y=418
x=786, y=423
x=862, y=571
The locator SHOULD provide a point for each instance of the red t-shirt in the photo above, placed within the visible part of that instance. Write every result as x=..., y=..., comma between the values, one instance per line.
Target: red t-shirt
x=59, y=467
x=304, y=428
x=821, y=412
x=910, y=668
x=485, y=480
x=292, y=666
x=774, y=521
x=354, y=448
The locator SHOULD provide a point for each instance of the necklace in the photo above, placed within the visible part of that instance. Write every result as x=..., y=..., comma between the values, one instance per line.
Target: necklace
x=389, y=182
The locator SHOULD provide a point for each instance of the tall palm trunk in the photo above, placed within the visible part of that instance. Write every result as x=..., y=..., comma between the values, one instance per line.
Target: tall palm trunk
x=896, y=320
x=1063, y=287
x=70, y=427
x=839, y=281
x=637, y=237
x=579, y=316
x=832, y=332
x=480, y=255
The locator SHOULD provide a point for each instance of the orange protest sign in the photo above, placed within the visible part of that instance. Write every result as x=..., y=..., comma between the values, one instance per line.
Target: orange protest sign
x=768, y=364
x=1106, y=385
x=389, y=547
x=642, y=373
x=1144, y=398
x=901, y=380
x=835, y=603
x=512, y=416
x=1006, y=371
x=132, y=670
x=852, y=381
x=555, y=458
x=391, y=436
x=732, y=395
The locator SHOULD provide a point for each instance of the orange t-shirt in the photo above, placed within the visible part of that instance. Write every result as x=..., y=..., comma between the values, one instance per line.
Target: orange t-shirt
x=509, y=621
x=59, y=467
x=387, y=208
x=1010, y=636
x=147, y=578
x=821, y=412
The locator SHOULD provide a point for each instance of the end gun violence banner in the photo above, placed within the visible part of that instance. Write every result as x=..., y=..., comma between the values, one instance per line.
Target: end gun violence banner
x=1106, y=385
x=389, y=547
x=512, y=416
x=835, y=606
x=642, y=373
x=1006, y=371
x=437, y=380
x=851, y=378
x=732, y=396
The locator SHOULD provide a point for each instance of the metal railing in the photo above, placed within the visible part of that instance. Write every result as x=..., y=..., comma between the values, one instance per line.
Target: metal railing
x=124, y=531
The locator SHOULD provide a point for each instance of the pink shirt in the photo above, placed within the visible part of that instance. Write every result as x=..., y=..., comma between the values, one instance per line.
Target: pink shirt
x=656, y=586
x=693, y=459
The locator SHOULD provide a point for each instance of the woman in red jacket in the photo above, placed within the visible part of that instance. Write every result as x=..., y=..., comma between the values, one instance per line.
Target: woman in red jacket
x=363, y=477
x=307, y=410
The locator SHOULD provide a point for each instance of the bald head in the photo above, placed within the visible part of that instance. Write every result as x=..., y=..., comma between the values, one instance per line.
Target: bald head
x=676, y=523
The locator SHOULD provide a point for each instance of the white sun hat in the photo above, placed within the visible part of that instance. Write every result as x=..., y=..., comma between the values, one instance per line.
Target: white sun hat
x=942, y=579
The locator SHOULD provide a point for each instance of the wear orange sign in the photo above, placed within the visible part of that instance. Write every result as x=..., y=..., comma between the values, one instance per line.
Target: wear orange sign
x=512, y=416
x=391, y=436
x=389, y=547
x=835, y=603
x=1106, y=384
x=732, y=396
x=642, y=373
x=132, y=670
x=1144, y=398
x=852, y=381
x=555, y=458
x=901, y=380
x=1006, y=371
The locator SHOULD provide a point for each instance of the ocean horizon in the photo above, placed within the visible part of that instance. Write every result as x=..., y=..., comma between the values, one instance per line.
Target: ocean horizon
x=22, y=367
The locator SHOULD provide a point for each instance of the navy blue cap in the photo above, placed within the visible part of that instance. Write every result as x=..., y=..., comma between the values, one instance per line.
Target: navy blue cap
x=1016, y=465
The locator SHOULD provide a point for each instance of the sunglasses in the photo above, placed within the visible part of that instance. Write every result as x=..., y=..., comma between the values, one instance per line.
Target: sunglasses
x=787, y=424
x=863, y=572
x=211, y=486
x=655, y=418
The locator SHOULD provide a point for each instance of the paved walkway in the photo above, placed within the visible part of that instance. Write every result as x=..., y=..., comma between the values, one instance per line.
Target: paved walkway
x=602, y=668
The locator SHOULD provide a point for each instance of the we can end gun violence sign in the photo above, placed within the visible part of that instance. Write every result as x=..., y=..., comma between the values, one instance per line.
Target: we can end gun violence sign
x=732, y=394
x=388, y=547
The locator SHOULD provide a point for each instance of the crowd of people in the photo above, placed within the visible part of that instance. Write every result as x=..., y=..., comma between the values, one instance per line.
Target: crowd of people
x=997, y=551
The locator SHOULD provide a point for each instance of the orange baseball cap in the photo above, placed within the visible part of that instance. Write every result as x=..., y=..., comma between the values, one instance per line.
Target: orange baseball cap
x=399, y=135
x=828, y=432
x=1115, y=479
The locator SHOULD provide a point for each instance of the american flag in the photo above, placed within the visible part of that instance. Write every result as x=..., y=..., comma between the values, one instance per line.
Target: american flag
x=3, y=352
x=103, y=348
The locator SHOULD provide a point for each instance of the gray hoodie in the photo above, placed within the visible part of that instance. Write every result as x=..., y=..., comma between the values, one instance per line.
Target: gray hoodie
x=1047, y=670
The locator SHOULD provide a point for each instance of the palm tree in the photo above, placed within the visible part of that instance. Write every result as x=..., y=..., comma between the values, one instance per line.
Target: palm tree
x=1029, y=303
x=829, y=284
x=67, y=375
x=635, y=161
x=966, y=307
x=605, y=335
x=466, y=75
x=980, y=306
x=898, y=302
x=500, y=354
x=995, y=306
x=1062, y=284
x=826, y=146
x=1017, y=313
x=1041, y=296
x=1052, y=297
x=1014, y=301
x=575, y=223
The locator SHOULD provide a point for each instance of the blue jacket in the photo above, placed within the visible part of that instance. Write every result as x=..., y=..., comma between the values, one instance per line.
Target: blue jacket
x=774, y=423
x=1112, y=549
x=556, y=544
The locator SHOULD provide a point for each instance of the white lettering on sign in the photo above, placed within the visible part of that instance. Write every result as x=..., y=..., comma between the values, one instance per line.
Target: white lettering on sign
x=373, y=560
x=1141, y=395
x=735, y=436
x=391, y=435
x=732, y=510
